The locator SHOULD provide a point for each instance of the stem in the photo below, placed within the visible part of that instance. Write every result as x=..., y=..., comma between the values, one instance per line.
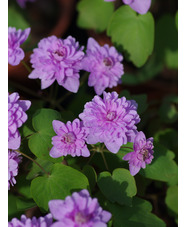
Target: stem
x=26, y=66
x=127, y=147
x=27, y=136
x=91, y=157
x=34, y=162
x=64, y=97
x=105, y=162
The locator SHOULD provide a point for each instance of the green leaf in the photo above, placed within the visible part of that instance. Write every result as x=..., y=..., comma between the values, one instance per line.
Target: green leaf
x=133, y=33
x=176, y=19
x=94, y=14
x=40, y=142
x=171, y=199
x=168, y=110
x=23, y=186
x=90, y=173
x=140, y=99
x=15, y=19
x=151, y=69
x=36, y=170
x=119, y=187
x=63, y=181
x=163, y=167
x=139, y=215
x=168, y=138
x=12, y=208
x=24, y=204
x=166, y=41
x=171, y=59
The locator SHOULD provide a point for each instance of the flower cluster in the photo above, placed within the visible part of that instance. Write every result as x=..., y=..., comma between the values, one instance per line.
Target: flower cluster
x=15, y=39
x=57, y=59
x=140, y=6
x=13, y=161
x=16, y=118
x=34, y=222
x=70, y=139
x=110, y=120
x=78, y=210
x=104, y=65
x=142, y=154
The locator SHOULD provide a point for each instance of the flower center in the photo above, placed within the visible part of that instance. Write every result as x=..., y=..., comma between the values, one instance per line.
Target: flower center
x=145, y=154
x=68, y=138
x=80, y=218
x=111, y=115
x=108, y=62
x=60, y=53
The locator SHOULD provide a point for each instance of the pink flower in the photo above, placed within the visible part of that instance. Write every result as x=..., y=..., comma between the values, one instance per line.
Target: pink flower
x=104, y=65
x=78, y=210
x=57, y=59
x=110, y=120
x=142, y=154
x=70, y=139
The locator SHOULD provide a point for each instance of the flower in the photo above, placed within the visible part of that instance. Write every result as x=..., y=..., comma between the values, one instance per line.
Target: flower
x=13, y=162
x=104, y=65
x=22, y=3
x=142, y=154
x=110, y=120
x=15, y=39
x=78, y=210
x=16, y=117
x=140, y=6
x=57, y=59
x=34, y=222
x=70, y=139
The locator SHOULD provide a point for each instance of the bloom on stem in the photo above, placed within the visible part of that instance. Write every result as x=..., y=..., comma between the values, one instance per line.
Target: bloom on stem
x=78, y=210
x=16, y=118
x=140, y=6
x=57, y=59
x=31, y=222
x=15, y=39
x=104, y=65
x=13, y=162
x=110, y=120
x=70, y=139
x=142, y=154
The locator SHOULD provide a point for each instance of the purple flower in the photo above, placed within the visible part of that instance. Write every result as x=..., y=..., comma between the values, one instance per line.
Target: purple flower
x=16, y=117
x=78, y=210
x=13, y=162
x=104, y=65
x=34, y=222
x=110, y=120
x=140, y=6
x=22, y=3
x=142, y=154
x=70, y=139
x=57, y=59
x=15, y=39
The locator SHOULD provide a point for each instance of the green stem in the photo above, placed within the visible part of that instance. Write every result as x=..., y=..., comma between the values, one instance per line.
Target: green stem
x=127, y=147
x=105, y=162
x=91, y=157
x=28, y=136
x=26, y=66
x=64, y=97
x=34, y=162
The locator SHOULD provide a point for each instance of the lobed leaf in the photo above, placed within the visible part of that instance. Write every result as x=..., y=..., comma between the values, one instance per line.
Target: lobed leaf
x=62, y=181
x=119, y=187
x=94, y=14
x=132, y=33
